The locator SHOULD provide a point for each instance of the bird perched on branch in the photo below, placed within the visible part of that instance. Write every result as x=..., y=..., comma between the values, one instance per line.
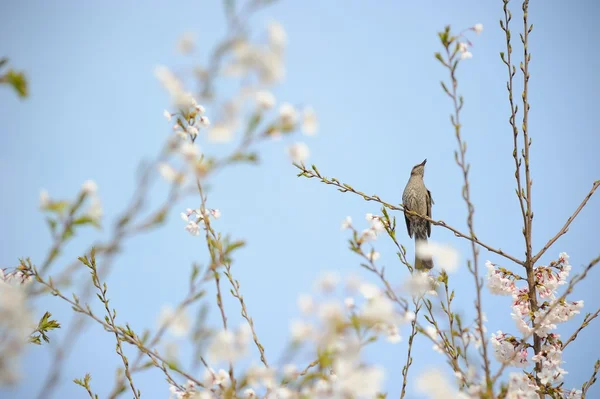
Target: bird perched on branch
x=417, y=198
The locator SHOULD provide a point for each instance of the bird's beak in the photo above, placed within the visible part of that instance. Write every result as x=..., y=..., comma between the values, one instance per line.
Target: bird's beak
x=424, y=162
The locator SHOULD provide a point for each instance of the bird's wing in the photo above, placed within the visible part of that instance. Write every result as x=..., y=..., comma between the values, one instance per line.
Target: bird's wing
x=407, y=220
x=429, y=203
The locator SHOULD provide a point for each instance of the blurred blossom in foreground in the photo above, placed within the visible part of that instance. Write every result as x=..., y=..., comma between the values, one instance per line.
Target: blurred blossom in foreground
x=89, y=187
x=288, y=114
x=298, y=152
x=178, y=323
x=186, y=43
x=310, y=124
x=265, y=100
x=15, y=325
x=277, y=36
x=230, y=346
x=444, y=256
x=44, y=199
x=435, y=385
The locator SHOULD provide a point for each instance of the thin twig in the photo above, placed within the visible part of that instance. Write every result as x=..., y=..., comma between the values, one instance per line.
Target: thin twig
x=565, y=228
x=110, y=318
x=411, y=337
x=343, y=187
x=586, y=321
x=587, y=385
x=128, y=337
x=513, y=109
x=460, y=158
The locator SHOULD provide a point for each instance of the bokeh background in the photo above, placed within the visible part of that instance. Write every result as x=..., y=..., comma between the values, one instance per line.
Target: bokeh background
x=95, y=111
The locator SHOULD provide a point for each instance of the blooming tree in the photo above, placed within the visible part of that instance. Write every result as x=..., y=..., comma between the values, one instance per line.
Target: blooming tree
x=332, y=331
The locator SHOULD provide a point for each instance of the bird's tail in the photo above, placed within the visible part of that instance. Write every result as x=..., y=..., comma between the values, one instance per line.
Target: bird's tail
x=422, y=263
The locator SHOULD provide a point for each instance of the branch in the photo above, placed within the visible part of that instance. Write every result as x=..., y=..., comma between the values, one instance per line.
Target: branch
x=110, y=318
x=343, y=187
x=451, y=63
x=125, y=334
x=586, y=321
x=211, y=238
x=409, y=359
x=586, y=386
x=565, y=228
x=513, y=109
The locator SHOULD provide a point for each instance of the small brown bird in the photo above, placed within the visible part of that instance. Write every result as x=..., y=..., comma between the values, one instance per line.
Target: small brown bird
x=417, y=198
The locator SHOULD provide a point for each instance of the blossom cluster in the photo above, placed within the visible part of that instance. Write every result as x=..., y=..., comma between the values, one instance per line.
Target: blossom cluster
x=257, y=65
x=93, y=213
x=193, y=217
x=551, y=311
x=16, y=322
x=336, y=330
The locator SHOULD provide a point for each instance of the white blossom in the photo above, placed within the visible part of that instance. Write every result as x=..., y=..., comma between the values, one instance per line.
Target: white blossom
x=298, y=152
x=89, y=187
x=521, y=387
x=421, y=283
x=179, y=97
x=373, y=256
x=192, y=131
x=167, y=172
x=277, y=35
x=310, y=124
x=221, y=132
x=95, y=211
x=327, y=282
x=230, y=346
x=380, y=309
x=204, y=121
x=167, y=115
x=330, y=313
x=349, y=303
x=368, y=235
x=508, y=350
x=369, y=291
x=478, y=28
x=177, y=322
x=574, y=394
x=193, y=228
x=265, y=100
x=393, y=335
x=306, y=303
x=347, y=223
x=44, y=199
x=15, y=326
x=445, y=256
x=222, y=378
x=189, y=150
x=435, y=385
x=300, y=330
x=288, y=114
x=186, y=43
x=497, y=283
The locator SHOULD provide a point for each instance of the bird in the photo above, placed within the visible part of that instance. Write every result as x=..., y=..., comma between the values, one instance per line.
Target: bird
x=417, y=198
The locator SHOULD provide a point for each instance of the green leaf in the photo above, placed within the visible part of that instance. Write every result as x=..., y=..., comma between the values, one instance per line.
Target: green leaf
x=51, y=224
x=57, y=206
x=17, y=80
x=83, y=220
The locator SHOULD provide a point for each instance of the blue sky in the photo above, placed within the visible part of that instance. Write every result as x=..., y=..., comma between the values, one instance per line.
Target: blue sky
x=95, y=111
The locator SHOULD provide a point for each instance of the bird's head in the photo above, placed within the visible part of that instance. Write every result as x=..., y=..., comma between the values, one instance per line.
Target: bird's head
x=419, y=170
